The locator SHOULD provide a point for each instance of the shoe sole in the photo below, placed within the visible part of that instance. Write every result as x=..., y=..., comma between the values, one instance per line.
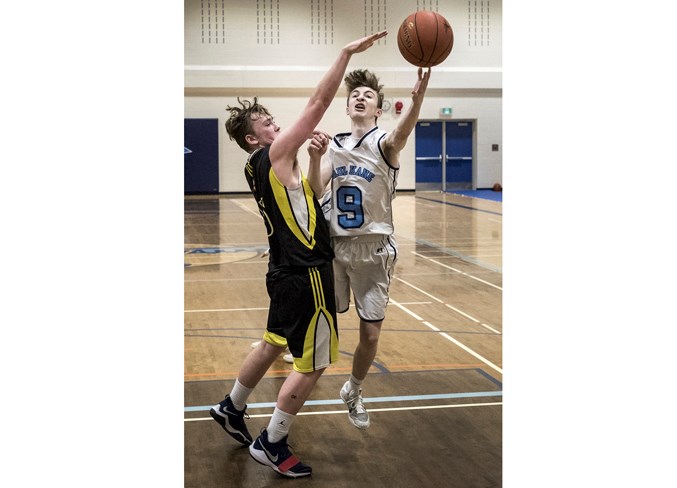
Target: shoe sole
x=261, y=458
x=361, y=426
x=223, y=422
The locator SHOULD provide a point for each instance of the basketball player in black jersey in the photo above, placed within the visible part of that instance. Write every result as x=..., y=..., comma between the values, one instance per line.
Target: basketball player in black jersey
x=300, y=282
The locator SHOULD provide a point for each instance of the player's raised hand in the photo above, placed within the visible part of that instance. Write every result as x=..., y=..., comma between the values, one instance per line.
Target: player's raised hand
x=364, y=43
x=421, y=83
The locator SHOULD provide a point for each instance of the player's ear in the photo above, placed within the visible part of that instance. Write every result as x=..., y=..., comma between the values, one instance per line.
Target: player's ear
x=251, y=139
x=379, y=112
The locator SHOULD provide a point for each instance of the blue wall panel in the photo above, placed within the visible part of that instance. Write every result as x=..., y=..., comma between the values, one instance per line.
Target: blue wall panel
x=201, y=156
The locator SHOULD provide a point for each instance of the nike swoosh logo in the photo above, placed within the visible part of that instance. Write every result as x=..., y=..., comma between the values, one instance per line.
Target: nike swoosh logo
x=225, y=413
x=270, y=456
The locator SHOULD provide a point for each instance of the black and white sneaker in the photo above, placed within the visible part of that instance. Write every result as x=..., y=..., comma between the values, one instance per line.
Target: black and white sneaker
x=278, y=456
x=232, y=420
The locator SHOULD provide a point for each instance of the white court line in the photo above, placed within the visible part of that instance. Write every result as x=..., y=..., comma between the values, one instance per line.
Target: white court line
x=224, y=310
x=399, y=305
x=418, y=289
x=447, y=336
x=266, y=308
x=431, y=326
x=212, y=280
x=457, y=270
x=462, y=313
x=491, y=329
x=247, y=209
x=470, y=351
x=390, y=409
x=446, y=304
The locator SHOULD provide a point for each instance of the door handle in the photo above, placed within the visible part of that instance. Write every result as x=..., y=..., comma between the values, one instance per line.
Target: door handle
x=429, y=158
x=459, y=157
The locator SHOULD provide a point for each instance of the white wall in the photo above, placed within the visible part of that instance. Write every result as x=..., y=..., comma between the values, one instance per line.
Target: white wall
x=279, y=49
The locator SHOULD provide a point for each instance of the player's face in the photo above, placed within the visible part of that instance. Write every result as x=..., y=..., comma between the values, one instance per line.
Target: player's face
x=363, y=102
x=265, y=130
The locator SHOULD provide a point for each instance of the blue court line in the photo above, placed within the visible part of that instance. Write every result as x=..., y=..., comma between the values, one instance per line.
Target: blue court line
x=489, y=377
x=410, y=398
x=457, y=205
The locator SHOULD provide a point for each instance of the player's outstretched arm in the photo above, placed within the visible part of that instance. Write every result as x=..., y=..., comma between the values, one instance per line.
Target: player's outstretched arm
x=286, y=145
x=397, y=139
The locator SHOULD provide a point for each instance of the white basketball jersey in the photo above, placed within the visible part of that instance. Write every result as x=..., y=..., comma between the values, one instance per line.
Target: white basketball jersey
x=362, y=184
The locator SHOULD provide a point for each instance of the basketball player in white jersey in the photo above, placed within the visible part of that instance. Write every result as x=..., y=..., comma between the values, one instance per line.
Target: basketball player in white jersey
x=363, y=172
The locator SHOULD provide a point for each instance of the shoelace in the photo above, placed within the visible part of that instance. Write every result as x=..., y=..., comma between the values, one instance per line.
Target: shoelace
x=360, y=407
x=244, y=412
x=356, y=403
x=286, y=451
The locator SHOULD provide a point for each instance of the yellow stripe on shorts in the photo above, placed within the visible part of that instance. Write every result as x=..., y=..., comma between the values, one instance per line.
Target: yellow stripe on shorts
x=320, y=348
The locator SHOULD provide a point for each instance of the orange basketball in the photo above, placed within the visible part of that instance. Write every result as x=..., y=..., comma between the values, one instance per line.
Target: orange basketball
x=425, y=38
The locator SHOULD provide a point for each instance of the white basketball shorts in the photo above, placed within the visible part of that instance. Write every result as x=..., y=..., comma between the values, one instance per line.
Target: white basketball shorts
x=364, y=264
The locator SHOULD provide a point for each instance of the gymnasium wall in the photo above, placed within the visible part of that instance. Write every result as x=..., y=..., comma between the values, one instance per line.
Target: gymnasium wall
x=278, y=50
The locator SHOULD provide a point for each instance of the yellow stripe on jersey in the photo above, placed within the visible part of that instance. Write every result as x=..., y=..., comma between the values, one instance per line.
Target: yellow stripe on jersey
x=248, y=167
x=282, y=200
x=320, y=348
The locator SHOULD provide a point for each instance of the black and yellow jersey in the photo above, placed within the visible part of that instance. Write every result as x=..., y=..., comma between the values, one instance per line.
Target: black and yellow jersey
x=298, y=234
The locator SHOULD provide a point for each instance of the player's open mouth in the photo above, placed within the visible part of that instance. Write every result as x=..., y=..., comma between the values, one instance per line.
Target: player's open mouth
x=359, y=106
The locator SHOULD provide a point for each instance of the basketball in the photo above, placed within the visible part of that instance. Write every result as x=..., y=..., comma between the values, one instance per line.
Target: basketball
x=425, y=38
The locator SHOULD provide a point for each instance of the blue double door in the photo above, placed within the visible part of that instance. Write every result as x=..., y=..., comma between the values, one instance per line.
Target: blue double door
x=444, y=155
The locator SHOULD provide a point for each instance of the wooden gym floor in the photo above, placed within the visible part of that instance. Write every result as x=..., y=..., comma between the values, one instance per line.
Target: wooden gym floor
x=434, y=392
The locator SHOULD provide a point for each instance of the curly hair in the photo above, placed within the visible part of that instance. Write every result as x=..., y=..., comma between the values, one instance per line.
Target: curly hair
x=364, y=77
x=239, y=124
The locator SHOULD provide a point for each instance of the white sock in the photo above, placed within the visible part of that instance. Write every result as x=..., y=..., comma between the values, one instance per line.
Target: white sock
x=279, y=425
x=355, y=384
x=239, y=395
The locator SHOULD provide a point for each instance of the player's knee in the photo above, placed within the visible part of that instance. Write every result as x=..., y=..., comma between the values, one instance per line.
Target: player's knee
x=369, y=338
